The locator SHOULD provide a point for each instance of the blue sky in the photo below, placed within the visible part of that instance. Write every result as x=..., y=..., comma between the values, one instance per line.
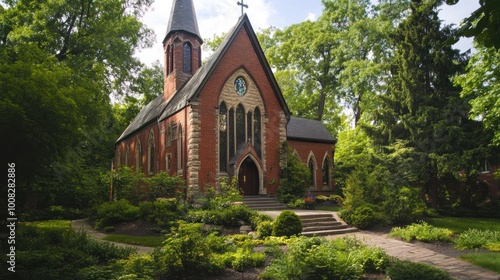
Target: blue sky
x=216, y=17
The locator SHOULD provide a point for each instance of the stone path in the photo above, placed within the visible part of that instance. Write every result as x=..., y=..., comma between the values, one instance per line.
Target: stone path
x=457, y=268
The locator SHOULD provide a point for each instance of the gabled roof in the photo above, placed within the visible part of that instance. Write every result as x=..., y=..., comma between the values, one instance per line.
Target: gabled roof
x=158, y=110
x=309, y=131
x=183, y=18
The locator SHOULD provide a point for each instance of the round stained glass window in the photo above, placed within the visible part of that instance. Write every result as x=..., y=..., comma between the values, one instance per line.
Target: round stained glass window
x=240, y=86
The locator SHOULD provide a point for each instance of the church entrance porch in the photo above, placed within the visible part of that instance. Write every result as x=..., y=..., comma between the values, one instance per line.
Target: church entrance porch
x=248, y=177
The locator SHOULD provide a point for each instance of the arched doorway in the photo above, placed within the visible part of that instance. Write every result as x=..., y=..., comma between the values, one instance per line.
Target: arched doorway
x=248, y=177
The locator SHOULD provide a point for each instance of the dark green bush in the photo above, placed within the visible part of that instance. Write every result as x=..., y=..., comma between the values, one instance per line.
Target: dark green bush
x=229, y=216
x=112, y=213
x=405, y=270
x=404, y=205
x=161, y=211
x=287, y=224
x=54, y=253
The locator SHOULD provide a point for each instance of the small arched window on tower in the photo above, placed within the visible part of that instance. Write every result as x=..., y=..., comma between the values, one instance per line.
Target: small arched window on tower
x=187, y=50
x=171, y=61
x=167, y=62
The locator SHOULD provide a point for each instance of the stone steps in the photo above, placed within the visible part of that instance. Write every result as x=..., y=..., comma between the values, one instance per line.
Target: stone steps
x=323, y=224
x=263, y=203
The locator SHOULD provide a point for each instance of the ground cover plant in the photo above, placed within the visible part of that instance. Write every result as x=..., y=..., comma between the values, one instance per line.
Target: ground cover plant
x=422, y=232
x=318, y=258
x=405, y=270
x=52, y=250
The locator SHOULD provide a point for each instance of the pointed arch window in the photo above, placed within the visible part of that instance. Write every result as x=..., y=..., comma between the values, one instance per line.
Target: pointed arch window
x=327, y=173
x=231, y=133
x=169, y=59
x=240, y=126
x=257, y=142
x=151, y=153
x=312, y=168
x=180, y=155
x=138, y=156
x=127, y=155
x=223, y=137
x=187, y=50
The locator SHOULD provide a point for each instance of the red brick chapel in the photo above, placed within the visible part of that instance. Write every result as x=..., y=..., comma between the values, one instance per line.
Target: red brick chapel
x=221, y=119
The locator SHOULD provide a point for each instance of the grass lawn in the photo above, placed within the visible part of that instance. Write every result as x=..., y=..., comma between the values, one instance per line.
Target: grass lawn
x=61, y=224
x=148, y=241
x=459, y=225
x=489, y=261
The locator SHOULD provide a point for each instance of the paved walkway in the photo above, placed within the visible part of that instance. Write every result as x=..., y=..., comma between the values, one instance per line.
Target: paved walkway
x=457, y=268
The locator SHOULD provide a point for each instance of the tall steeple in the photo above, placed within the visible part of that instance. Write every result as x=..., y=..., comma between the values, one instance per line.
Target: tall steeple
x=182, y=46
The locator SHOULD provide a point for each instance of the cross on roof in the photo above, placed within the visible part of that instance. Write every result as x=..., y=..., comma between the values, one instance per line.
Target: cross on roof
x=243, y=5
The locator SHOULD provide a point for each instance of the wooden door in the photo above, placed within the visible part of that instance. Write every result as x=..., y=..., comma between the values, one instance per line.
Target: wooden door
x=248, y=178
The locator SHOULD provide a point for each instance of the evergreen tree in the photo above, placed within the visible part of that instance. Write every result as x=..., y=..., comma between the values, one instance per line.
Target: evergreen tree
x=421, y=107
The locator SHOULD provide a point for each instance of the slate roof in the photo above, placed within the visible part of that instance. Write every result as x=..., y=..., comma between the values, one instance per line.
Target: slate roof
x=160, y=109
x=183, y=18
x=308, y=130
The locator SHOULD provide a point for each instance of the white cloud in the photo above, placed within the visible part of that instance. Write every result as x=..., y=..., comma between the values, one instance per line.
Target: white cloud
x=311, y=17
x=214, y=17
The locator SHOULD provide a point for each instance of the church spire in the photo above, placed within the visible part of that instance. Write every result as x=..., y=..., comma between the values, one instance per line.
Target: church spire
x=183, y=18
x=182, y=47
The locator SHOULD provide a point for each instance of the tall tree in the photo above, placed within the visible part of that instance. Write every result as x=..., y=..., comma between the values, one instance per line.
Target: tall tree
x=421, y=108
x=59, y=62
x=481, y=85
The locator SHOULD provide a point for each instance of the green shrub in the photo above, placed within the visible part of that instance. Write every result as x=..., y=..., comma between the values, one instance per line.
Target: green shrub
x=187, y=254
x=474, y=238
x=258, y=218
x=404, y=205
x=139, y=266
x=112, y=213
x=161, y=211
x=229, y=216
x=422, y=232
x=337, y=199
x=405, y=270
x=243, y=258
x=322, y=198
x=265, y=229
x=363, y=216
x=287, y=224
x=298, y=203
x=318, y=258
